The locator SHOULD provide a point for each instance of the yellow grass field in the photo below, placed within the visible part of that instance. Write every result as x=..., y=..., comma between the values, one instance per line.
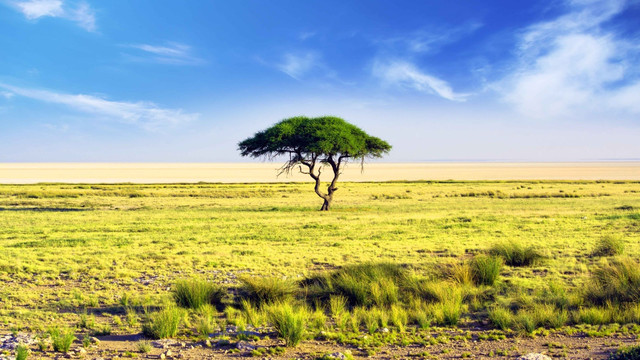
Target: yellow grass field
x=24, y=173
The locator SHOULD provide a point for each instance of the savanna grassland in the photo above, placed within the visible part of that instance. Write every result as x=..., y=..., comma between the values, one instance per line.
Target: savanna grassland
x=395, y=269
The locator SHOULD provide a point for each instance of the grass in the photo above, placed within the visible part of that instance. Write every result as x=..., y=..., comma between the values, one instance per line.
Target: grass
x=115, y=249
x=62, y=338
x=609, y=246
x=266, y=290
x=288, y=321
x=616, y=282
x=626, y=353
x=485, y=270
x=516, y=254
x=22, y=352
x=163, y=324
x=195, y=292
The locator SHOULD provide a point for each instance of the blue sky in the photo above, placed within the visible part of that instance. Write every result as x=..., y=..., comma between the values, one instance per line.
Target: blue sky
x=179, y=81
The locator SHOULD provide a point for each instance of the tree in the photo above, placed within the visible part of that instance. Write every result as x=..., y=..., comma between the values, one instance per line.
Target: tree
x=313, y=144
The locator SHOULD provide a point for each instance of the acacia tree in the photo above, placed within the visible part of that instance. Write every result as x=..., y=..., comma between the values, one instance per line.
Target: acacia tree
x=313, y=144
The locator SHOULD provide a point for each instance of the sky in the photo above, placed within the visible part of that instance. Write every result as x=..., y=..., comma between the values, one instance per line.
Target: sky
x=185, y=81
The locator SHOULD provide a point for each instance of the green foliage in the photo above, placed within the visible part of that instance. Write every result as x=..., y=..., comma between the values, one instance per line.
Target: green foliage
x=501, y=318
x=617, y=282
x=516, y=254
x=144, y=346
x=266, y=290
x=195, y=292
x=288, y=321
x=61, y=339
x=163, y=324
x=22, y=352
x=361, y=285
x=486, y=269
x=626, y=353
x=609, y=246
x=326, y=135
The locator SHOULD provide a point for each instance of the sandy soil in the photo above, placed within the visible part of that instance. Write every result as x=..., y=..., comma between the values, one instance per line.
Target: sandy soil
x=18, y=173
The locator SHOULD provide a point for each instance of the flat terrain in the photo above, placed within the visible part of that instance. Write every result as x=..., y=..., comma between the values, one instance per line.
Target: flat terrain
x=17, y=173
x=110, y=251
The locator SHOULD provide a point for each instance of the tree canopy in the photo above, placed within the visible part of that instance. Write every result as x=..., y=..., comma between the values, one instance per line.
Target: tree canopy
x=327, y=140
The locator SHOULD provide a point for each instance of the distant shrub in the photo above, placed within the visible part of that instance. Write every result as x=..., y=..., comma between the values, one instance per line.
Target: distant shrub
x=163, y=324
x=288, y=321
x=626, y=353
x=608, y=246
x=194, y=293
x=515, y=254
x=615, y=283
x=486, y=269
x=266, y=290
x=61, y=339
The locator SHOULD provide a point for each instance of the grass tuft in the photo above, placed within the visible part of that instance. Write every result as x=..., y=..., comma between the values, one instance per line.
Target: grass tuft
x=288, y=321
x=608, y=246
x=61, y=339
x=616, y=283
x=516, y=254
x=194, y=293
x=266, y=290
x=486, y=269
x=163, y=324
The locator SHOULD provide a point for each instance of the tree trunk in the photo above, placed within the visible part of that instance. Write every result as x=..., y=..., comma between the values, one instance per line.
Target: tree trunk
x=326, y=205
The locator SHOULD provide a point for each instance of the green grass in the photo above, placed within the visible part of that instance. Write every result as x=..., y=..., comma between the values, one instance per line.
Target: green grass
x=163, y=324
x=609, y=246
x=626, y=353
x=65, y=248
x=516, y=254
x=288, y=321
x=485, y=270
x=195, y=292
x=62, y=338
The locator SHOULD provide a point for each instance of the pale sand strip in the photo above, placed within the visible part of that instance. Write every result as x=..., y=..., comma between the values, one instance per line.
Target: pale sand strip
x=21, y=173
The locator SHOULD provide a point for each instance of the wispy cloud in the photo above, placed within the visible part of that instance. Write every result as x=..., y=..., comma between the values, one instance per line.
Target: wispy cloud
x=298, y=64
x=144, y=114
x=573, y=66
x=79, y=12
x=6, y=94
x=406, y=74
x=172, y=53
x=428, y=40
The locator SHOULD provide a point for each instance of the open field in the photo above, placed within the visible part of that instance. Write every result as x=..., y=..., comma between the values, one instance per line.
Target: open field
x=23, y=173
x=97, y=257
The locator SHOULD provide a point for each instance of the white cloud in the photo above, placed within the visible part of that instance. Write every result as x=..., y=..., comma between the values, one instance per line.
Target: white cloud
x=573, y=67
x=144, y=114
x=79, y=12
x=34, y=9
x=172, y=53
x=297, y=65
x=428, y=40
x=6, y=94
x=406, y=74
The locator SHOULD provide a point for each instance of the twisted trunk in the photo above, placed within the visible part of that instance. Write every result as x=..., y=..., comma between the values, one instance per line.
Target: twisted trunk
x=335, y=166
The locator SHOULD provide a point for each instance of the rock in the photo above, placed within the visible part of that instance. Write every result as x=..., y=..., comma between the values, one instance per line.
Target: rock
x=383, y=330
x=534, y=356
x=168, y=353
x=162, y=356
x=243, y=345
x=95, y=340
x=336, y=355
